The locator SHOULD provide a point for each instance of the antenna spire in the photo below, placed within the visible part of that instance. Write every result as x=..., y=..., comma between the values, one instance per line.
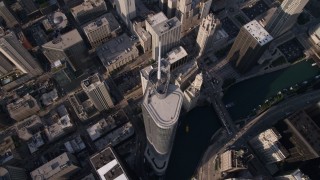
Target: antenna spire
x=159, y=60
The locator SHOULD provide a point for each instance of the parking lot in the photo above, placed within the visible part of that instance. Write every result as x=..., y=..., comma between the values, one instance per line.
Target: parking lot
x=230, y=27
x=292, y=50
x=255, y=10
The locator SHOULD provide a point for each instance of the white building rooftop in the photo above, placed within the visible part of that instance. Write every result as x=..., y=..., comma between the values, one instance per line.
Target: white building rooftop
x=64, y=41
x=166, y=25
x=258, y=32
x=164, y=112
x=155, y=19
x=91, y=82
x=176, y=54
x=107, y=166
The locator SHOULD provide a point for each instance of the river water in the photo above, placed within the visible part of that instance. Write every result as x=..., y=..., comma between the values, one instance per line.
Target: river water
x=248, y=94
x=189, y=146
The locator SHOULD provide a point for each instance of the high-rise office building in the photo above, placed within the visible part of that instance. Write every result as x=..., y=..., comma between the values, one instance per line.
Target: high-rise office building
x=7, y=16
x=192, y=93
x=164, y=30
x=97, y=32
x=161, y=109
x=249, y=45
x=206, y=34
x=12, y=173
x=88, y=10
x=12, y=49
x=285, y=16
x=98, y=91
x=267, y=146
x=190, y=13
x=126, y=9
x=67, y=47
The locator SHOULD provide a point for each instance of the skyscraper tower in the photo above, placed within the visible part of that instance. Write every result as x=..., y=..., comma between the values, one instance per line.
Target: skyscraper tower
x=285, y=17
x=207, y=30
x=161, y=109
x=126, y=9
x=13, y=50
x=97, y=91
x=249, y=45
x=191, y=13
x=165, y=30
x=97, y=31
x=7, y=16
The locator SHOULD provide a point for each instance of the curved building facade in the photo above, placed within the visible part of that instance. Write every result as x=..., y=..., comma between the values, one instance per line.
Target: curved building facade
x=161, y=109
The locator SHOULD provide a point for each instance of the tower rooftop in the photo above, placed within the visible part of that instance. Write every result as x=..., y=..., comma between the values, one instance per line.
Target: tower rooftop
x=258, y=32
x=166, y=111
x=156, y=18
x=166, y=25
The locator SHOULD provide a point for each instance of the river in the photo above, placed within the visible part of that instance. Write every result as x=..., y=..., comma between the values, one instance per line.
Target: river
x=189, y=146
x=248, y=94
